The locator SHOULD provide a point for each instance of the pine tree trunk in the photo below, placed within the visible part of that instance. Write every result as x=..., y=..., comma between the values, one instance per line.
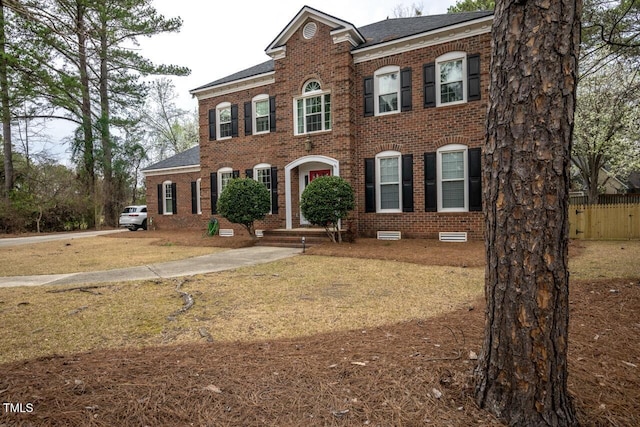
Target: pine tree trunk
x=6, y=110
x=522, y=371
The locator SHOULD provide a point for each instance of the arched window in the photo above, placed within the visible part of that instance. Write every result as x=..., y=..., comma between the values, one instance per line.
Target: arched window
x=168, y=198
x=312, y=110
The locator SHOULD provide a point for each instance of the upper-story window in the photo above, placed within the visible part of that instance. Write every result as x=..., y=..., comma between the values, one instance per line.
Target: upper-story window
x=387, y=90
x=450, y=69
x=313, y=109
x=261, y=114
x=223, y=111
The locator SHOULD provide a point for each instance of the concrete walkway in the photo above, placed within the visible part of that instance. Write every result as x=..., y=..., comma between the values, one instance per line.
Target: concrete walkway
x=219, y=261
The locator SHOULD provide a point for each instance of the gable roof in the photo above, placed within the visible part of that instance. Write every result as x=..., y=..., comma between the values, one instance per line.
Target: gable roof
x=190, y=157
x=378, y=33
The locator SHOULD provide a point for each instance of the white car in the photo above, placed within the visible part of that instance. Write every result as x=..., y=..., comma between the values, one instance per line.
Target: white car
x=134, y=217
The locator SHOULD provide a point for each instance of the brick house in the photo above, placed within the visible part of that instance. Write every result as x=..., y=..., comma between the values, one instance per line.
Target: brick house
x=397, y=108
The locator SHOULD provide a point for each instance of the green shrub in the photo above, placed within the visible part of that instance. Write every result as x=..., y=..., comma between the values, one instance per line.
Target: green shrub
x=326, y=201
x=244, y=201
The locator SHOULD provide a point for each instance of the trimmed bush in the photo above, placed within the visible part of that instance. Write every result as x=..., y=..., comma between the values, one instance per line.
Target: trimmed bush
x=326, y=201
x=244, y=201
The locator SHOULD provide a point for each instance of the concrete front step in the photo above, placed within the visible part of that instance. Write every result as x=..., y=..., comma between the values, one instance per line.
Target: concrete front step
x=293, y=237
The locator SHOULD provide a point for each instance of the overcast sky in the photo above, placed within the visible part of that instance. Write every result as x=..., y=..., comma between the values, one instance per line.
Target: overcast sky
x=220, y=38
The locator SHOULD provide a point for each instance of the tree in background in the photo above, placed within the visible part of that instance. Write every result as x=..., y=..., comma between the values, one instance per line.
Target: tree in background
x=607, y=125
x=521, y=375
x=170, y=129
x=471, y=6
x=325, y=202
x=401, y=11
x=244, y=201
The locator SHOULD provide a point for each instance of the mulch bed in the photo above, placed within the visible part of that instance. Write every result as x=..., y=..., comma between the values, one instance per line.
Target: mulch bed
x=409, y=374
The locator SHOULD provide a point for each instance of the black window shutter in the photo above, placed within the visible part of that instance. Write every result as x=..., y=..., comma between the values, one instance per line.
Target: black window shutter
x=160, y=199
x=248, y=118
x=174, y=197
x=475, y=179
x=370, y=185
x=248, y=173
x=473, y=75
x=194, y=197
x=212, y=125
x=405, y=89
x=407, y=183
x=274, y=190
x=368, y=97
x=430, y=185
x=272, y=114
x=234, y=120
x=430, y=85
x=214, y=192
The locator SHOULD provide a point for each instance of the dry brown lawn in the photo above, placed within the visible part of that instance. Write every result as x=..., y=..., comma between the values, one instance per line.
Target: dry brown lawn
x=325, y=339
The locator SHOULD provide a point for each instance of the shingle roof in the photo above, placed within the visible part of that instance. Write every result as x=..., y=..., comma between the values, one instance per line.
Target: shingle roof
x=399, y=28
x=190, y=157
x=376, y=33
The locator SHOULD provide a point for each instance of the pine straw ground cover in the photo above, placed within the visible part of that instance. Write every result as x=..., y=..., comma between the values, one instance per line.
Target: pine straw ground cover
x=373, y=368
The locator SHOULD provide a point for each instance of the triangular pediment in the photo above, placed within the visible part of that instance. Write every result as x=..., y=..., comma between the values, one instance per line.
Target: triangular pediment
x=341, y=30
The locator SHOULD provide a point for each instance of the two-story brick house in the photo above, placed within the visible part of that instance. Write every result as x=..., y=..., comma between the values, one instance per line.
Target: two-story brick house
x=397, y=108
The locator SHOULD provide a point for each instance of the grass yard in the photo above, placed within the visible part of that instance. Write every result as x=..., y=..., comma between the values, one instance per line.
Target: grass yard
x=325, y=338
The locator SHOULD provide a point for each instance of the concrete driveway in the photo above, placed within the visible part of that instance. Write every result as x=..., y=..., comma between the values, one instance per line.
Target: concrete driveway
x=226, y=260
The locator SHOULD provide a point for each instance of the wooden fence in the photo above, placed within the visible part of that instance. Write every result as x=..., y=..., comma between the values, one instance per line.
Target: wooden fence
x=605, y=221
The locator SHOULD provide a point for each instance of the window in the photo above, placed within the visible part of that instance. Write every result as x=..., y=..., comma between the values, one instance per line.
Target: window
x=389, y=179
x=225, y=175
x=387, y=89
x=262, y=173
x=452, y=178
x=451, y=78
x=313, y=110
x=168, y=197
x=223, y=111
x=261, y=114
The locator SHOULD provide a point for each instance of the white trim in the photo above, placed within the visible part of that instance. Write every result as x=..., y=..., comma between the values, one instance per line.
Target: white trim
x=333, y=163
x=450, y=57
x=449, y=149
x=384, y=71
x=235, y=86
x=419, y=41
x=219, y=173
x=199, y=196
x=339, y=26
x=389, y=154
x=223, y=106
x=172, y=171
x=164, y=197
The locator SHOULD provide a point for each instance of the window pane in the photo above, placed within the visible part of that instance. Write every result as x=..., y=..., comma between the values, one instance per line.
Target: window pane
x=264, y=176
x=390, y=196
x=168, y=199
x=388, y=102
x=453, y=194
x=388, y=83
x=225, y=177
x=314, y=122
x=225, y=130
x=300, y=116
x=312, y=86
x=389, y=170
x=225, y=115
x=262, y=124
x=262, y=108
x=313, y=105
x=451, y=75
x=327, y=111
x=453, y=165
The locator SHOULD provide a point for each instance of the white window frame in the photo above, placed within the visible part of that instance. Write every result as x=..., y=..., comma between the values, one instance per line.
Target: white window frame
x=451, y=149
x=221, y=175
x=264, y=167
x=307, y=95
x=388, y=155
x=165, y=209
x=198, y=202
x=378, y=75
x=254, y=113
x=449, y=57
x=219, y=108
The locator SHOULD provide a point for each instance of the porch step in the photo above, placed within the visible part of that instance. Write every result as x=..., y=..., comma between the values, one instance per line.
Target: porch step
x=293, y=238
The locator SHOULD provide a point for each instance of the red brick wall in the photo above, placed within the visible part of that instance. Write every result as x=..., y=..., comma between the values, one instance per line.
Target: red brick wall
x=353, y=137
x=183, y=217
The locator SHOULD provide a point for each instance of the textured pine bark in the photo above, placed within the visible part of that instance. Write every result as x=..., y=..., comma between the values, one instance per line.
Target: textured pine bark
x=522, y=372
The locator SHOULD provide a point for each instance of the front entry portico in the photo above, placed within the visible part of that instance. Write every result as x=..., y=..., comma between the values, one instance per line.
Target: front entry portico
x=309, y=167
